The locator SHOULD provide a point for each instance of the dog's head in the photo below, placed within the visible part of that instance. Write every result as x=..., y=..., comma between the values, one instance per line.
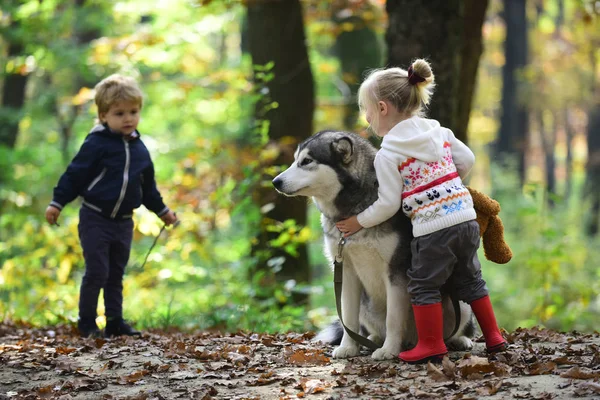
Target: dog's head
x=329, y=166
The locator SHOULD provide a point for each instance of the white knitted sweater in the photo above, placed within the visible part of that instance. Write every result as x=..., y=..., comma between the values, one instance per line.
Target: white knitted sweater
x=420, y=167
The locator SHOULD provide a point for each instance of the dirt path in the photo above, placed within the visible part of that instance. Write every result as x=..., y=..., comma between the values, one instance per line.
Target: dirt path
x=55, y=364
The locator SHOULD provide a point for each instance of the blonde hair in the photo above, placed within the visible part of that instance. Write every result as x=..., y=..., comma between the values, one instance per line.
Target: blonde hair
x=393, y=86
x=114, y=89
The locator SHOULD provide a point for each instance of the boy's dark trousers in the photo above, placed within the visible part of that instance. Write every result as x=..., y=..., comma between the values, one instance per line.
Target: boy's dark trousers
x=106, y=245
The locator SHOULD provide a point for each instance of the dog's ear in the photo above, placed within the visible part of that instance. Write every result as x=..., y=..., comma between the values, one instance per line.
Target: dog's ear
x=344, y=148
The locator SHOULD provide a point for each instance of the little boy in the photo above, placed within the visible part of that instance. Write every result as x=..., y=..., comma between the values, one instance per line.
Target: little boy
x=114, y=174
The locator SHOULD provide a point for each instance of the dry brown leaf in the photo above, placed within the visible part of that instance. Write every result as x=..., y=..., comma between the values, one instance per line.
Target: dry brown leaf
x=592, y=386
x=88, y=384
x=564, y=360
x=358, y=389
x=264, y=379
x=580, y=373
x=541, y=368
x=237, y=358
x=422, y=394
x=474, y=365
x=313, y=386
x=245, y=360
x=182, y=375
x=65, y=350
x=449, y=368
x=307, y=357
x=132, y=378
x=489, y=388
x=435, y=373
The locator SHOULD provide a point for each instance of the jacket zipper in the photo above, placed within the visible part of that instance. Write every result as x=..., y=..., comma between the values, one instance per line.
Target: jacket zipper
x=125, y=181
x=98, y=178
x=93, y=207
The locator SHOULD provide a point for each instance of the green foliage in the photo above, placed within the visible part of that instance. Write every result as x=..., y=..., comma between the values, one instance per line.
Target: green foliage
x=552, y=279
x=210, y=155
x=197, y=115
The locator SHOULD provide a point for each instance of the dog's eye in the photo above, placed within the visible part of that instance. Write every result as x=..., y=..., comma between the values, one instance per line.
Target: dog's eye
x=306, y=161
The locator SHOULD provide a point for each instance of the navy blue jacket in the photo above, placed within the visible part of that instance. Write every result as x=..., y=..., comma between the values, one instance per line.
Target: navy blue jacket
x=114, y=175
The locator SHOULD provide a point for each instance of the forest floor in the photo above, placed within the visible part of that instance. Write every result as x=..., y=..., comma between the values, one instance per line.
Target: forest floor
x=53, y=363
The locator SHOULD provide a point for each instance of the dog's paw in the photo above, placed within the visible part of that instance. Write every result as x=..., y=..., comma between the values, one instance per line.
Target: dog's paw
x=385, y=354
x=345, y=352
x=460, y=343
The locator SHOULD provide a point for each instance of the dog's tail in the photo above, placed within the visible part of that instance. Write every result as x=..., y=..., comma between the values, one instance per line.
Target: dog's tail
x=332, y=334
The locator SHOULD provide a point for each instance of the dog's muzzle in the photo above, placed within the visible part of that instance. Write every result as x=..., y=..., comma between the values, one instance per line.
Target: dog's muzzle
x=278, y=183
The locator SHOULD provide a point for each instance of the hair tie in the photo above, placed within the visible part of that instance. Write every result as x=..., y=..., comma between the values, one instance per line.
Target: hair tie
x=413, y=77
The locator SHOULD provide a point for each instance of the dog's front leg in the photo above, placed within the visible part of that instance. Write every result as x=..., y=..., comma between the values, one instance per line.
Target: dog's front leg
x=351, y=291
x=395, y=320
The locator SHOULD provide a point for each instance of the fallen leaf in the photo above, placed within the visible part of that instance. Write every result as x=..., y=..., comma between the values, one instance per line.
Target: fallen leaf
x=307, y=357
x=310, y=386
x=435, y=373
x=65, y=350
x=593, y=386
x=132, y=378
x=580, y=373
x=541, y=368
x=449, y=367
x=489, y=388
x=181, y=375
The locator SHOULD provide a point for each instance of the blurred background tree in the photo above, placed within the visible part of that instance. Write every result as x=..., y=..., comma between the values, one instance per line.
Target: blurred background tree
x=448, y=34
x=282, y=72
x=232, y=86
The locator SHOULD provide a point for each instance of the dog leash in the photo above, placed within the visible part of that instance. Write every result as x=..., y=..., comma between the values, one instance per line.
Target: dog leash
x=338, y=273
x=457, y=313
x=154, y=242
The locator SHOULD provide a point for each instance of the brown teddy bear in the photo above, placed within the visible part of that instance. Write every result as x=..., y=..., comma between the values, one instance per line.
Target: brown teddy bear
x=491, y=228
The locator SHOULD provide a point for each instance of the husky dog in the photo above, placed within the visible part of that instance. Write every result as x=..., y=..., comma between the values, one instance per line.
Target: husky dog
x=336, y=170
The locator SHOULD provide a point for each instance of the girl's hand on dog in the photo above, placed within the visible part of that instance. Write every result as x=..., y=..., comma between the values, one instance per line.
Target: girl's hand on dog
x=349, y=226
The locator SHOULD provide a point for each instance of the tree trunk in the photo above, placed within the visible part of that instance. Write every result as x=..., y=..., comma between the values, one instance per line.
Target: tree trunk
x=560, y=15
x=358, y=51
x=569, y=135
x=471, y=53
x=592, y=187
x=13, y=99
x=548, y=138
x=448, y=34
x=512, y=137
x=83, y=35
x=276, y=34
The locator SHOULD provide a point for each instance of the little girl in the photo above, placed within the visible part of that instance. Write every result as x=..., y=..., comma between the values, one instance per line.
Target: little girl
x=420, y=167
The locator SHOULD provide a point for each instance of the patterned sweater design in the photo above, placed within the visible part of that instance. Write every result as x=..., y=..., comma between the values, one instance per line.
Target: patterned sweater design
x=420, y=167
x=434, y=191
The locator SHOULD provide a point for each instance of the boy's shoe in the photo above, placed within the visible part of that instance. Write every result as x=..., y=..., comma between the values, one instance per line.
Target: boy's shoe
x=119, y=327
x=88, y=329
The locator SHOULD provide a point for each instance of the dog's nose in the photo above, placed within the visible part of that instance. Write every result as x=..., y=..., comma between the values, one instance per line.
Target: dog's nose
x=278, y=183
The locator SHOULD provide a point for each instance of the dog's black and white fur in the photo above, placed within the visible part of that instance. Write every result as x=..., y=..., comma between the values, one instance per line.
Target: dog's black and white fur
x=336, y=170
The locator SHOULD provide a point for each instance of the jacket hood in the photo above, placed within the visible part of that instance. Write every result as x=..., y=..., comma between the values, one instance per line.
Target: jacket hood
x=416, y=137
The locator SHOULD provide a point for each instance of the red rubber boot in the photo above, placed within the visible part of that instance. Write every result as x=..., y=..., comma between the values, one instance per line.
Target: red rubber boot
x=482, y=308
x=430, y=329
